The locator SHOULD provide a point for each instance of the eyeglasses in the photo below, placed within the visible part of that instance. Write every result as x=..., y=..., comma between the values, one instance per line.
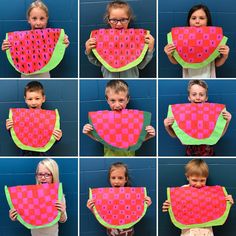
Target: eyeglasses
x=122, y=21
x=45, y=175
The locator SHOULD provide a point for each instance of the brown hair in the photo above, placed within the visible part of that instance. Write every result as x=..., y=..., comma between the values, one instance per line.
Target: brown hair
x=37, y=4
x=120, y=165
x=117, y=85
x=196, y=167
x=118, y=4
x=34, y=86
x=199, y=82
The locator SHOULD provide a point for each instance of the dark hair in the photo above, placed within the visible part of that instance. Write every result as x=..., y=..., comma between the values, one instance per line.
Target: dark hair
x=205, y=9
x=34, y=86
x=120, y=165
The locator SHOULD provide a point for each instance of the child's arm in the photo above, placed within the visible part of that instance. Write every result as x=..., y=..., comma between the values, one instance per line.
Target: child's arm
x=90, y=204
x=148, y=200
x=227, y=116
x=169, y=49
x=230, y=199
x=90, y=44
x=13, y=214
x=9, y=124
x=57, y=133
x=61, y=206
x=165, y=206
x=87, y=130
x=150, y=132
x=167, y=123
x=66, y=40
x=5, y=45
x=150, y=41
x=224, y=51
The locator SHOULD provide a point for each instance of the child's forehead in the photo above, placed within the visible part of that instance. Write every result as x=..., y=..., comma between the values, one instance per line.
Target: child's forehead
x=119, y=170
x=34, y=93
x=197, y=87
x=120, y=92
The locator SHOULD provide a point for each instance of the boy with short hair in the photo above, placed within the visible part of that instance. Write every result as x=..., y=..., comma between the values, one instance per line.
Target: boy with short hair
x=117, y=96
x=34, y=98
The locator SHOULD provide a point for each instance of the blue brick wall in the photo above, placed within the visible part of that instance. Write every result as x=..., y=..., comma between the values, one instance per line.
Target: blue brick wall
x=93, y=174
x=60, y=94
x=21, y=171
x=62, y=14
x=91, y=17
x=173, y=14
x=92, y=98
x=175, y=91
x=171, y=174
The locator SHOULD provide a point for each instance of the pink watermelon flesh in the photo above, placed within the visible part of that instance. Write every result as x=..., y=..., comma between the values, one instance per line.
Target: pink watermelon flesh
x=196, y=44
x=119, y=207
x=194, y=206
x=198, y=120
x=35, y=204
x=33, y=127
x=31, y=50
x=121, y=129
x=119, y=48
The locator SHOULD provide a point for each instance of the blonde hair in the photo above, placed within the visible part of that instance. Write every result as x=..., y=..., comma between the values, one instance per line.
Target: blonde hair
x=37, y=4
x=117, y=85
x=118, y=4
x=52, y=166
x=199, y=82
x=197, y=167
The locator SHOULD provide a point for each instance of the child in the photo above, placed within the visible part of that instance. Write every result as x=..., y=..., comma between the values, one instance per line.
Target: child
x=198, y=16
x=47, y=172
x=196, y=172
x=34, y=98
x=117, y=96
x=118, y=16
x=118, y=176
x=197, y=93
x=37, y=16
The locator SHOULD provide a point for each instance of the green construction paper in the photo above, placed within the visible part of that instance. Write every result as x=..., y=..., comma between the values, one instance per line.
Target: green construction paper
x=56, y=58
x=188, y=140
x=107, y=225
x=146, y=122
x=123, y=68
x=185, y=64
x=30, y=226
x=219, y=221
x=29, y=148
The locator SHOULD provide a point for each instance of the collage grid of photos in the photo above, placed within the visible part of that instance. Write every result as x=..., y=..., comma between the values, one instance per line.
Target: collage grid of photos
x=117, y=118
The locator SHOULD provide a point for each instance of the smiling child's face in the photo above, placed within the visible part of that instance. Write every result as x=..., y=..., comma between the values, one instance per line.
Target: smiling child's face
x=44, y=176
x=197, y=94
x=117, y=177
x=38, y=18
x=34, y=99
x=117, y=100
x=198, y=18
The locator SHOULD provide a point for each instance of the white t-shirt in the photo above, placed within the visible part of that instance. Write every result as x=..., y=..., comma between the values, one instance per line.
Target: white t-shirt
x=197, y=232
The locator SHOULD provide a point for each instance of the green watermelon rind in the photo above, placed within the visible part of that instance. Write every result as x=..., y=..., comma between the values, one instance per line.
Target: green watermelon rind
x=30, y=226
x=146, y=122
x=185, y=64
x=35, y=149
x=125, y=226
x=188, y=140
x=219, y=221
x=123, y=68
x=56, y=58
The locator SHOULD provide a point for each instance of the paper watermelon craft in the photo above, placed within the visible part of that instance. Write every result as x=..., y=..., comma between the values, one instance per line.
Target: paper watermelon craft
x=198, y=123
x=120, y=130
x=120, y=50
x=35, y=204
x=33, y=128
x=119, y=208
x=198, y=207
x=196, y=47
x=35, y=51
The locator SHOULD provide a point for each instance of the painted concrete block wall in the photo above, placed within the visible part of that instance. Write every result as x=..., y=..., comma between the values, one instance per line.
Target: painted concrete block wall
x=92, y=98
x=60, y=94
x=62, y=14
x=91, y=17
x=174, y=13
x=175, y=91
x=21, y=171
x=93, y=173
x=171, y=173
